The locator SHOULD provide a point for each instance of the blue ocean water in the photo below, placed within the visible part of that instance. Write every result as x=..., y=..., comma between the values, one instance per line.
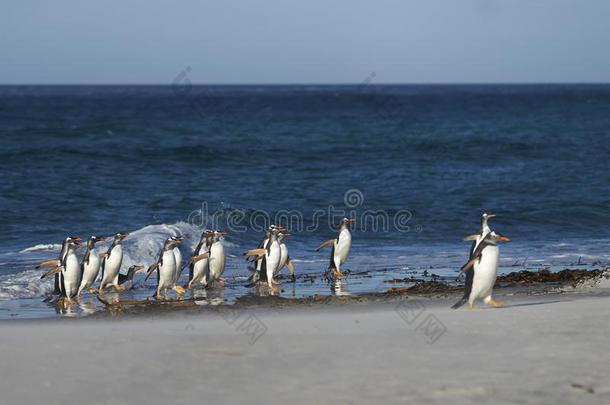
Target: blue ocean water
x=420, y=162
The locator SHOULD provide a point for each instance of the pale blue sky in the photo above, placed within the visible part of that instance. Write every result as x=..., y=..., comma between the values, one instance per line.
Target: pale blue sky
x=313, y=41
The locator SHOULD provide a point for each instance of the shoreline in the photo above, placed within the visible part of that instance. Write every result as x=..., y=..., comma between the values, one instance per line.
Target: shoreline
x=541, y=347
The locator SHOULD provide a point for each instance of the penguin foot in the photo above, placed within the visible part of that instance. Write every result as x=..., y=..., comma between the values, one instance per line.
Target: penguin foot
x=275, y=282
x=158, y=297
x=119, y=288
x=337, y=273
x=496, y=304
x=471, y=306
x=91, y=290
x=179, y=290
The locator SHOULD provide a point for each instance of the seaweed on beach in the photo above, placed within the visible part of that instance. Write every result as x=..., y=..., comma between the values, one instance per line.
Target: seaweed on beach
x=572, y=276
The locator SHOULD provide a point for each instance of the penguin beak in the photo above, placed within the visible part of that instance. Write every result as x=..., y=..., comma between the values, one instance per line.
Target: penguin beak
x=490, y=216
x=124, y=234
x=351, y=221
x=99, y=238
x=76, y=238
x=503, y=238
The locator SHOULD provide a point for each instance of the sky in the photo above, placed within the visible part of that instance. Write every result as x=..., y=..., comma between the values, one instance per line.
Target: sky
x=306, y=41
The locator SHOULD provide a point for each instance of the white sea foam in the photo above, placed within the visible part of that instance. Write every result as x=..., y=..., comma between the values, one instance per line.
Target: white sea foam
x=25, y=284
x=42, y=248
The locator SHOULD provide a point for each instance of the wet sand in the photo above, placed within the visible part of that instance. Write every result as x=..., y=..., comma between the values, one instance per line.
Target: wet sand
x=540, y=349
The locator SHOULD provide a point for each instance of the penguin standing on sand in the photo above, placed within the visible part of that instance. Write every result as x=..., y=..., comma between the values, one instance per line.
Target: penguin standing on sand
x=69, y=273
x=199, y=262
x=341, y=246
x=111, y=263
x=54, y=263
x=481, y=271
x=89, y=266
x=166, y=269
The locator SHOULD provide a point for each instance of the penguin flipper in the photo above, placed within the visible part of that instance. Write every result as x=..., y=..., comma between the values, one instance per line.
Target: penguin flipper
x=49, y=263
x=290, y=266
x=329, y=242
x=255, y=252
x=459, y=303
x=152, y=268
x=467, y=289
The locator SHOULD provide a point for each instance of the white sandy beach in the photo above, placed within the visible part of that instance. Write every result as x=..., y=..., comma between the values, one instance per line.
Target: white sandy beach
x=546, y=349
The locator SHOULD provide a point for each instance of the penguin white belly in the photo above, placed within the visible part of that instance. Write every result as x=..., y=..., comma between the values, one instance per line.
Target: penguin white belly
x=90, y=271
x=485, y=272
x=178, y=260
x=283, y=258
x=216, y=261
x=112, y=265
x=342, y=247
x=71, y=275
x=272, y=260
x=200, y=270
x=167, y=270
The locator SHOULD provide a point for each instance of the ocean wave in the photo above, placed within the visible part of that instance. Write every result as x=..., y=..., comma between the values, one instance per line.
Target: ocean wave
x=42, y=247
x=25, y=284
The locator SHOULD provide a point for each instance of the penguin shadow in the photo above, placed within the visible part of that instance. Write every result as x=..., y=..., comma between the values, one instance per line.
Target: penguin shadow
x=338, y=287
x=529, y=304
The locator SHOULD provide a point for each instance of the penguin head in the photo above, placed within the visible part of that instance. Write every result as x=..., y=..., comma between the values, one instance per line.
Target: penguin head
x=93, y=240
x=345, y=222
x=218, y=234
x=496, y=237
x=486, y=216
x=120, y=236
x=281, y=235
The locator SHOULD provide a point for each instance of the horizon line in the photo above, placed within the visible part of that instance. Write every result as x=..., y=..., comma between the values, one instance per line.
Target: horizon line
x=533, y=83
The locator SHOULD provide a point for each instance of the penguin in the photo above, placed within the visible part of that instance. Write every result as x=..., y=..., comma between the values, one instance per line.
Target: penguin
x=481, y=271
x=89, y=266
x=272, y=254
x=111, y=263
x=477, y=237
x=341, y=246
x=166, y=269
x=199, y=262
x=58, y=261
x=69, y=272
x=284, y=256
x=216, y=261
x=178, y=256
x=260, y=260
x=126, y=280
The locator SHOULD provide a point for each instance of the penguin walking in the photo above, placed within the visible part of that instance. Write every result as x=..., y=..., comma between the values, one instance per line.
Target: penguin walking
x=57, y=262
x=216, y=261
x=178, y=256
x=126, y=280
x=89, y=266
x=199, y=262
x=285, y=260
x=271, y=254
x=111, y=263
x=260, y=260
x=166, y=269
x=69, y=273
x=341, y=246
x=481, y=271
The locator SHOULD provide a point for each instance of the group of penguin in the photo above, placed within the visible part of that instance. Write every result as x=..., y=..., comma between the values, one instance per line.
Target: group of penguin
x=207, y=263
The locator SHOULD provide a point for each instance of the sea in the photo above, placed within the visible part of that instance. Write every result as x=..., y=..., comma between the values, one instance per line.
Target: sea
x=414, y=165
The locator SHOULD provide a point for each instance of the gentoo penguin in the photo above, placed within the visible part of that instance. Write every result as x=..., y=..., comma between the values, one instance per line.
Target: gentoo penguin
x=69, y=272
x=284, y=256
x=477, y=237
x=166, y=269
x=272, y=255
x=126, y=280
x=481, y=271
x=199, y=262
x=341, y=246
x=178, y=256
x=89, y=266
x=111, y=263
x=216, y=261
x=58, y=261
x=260, y=260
